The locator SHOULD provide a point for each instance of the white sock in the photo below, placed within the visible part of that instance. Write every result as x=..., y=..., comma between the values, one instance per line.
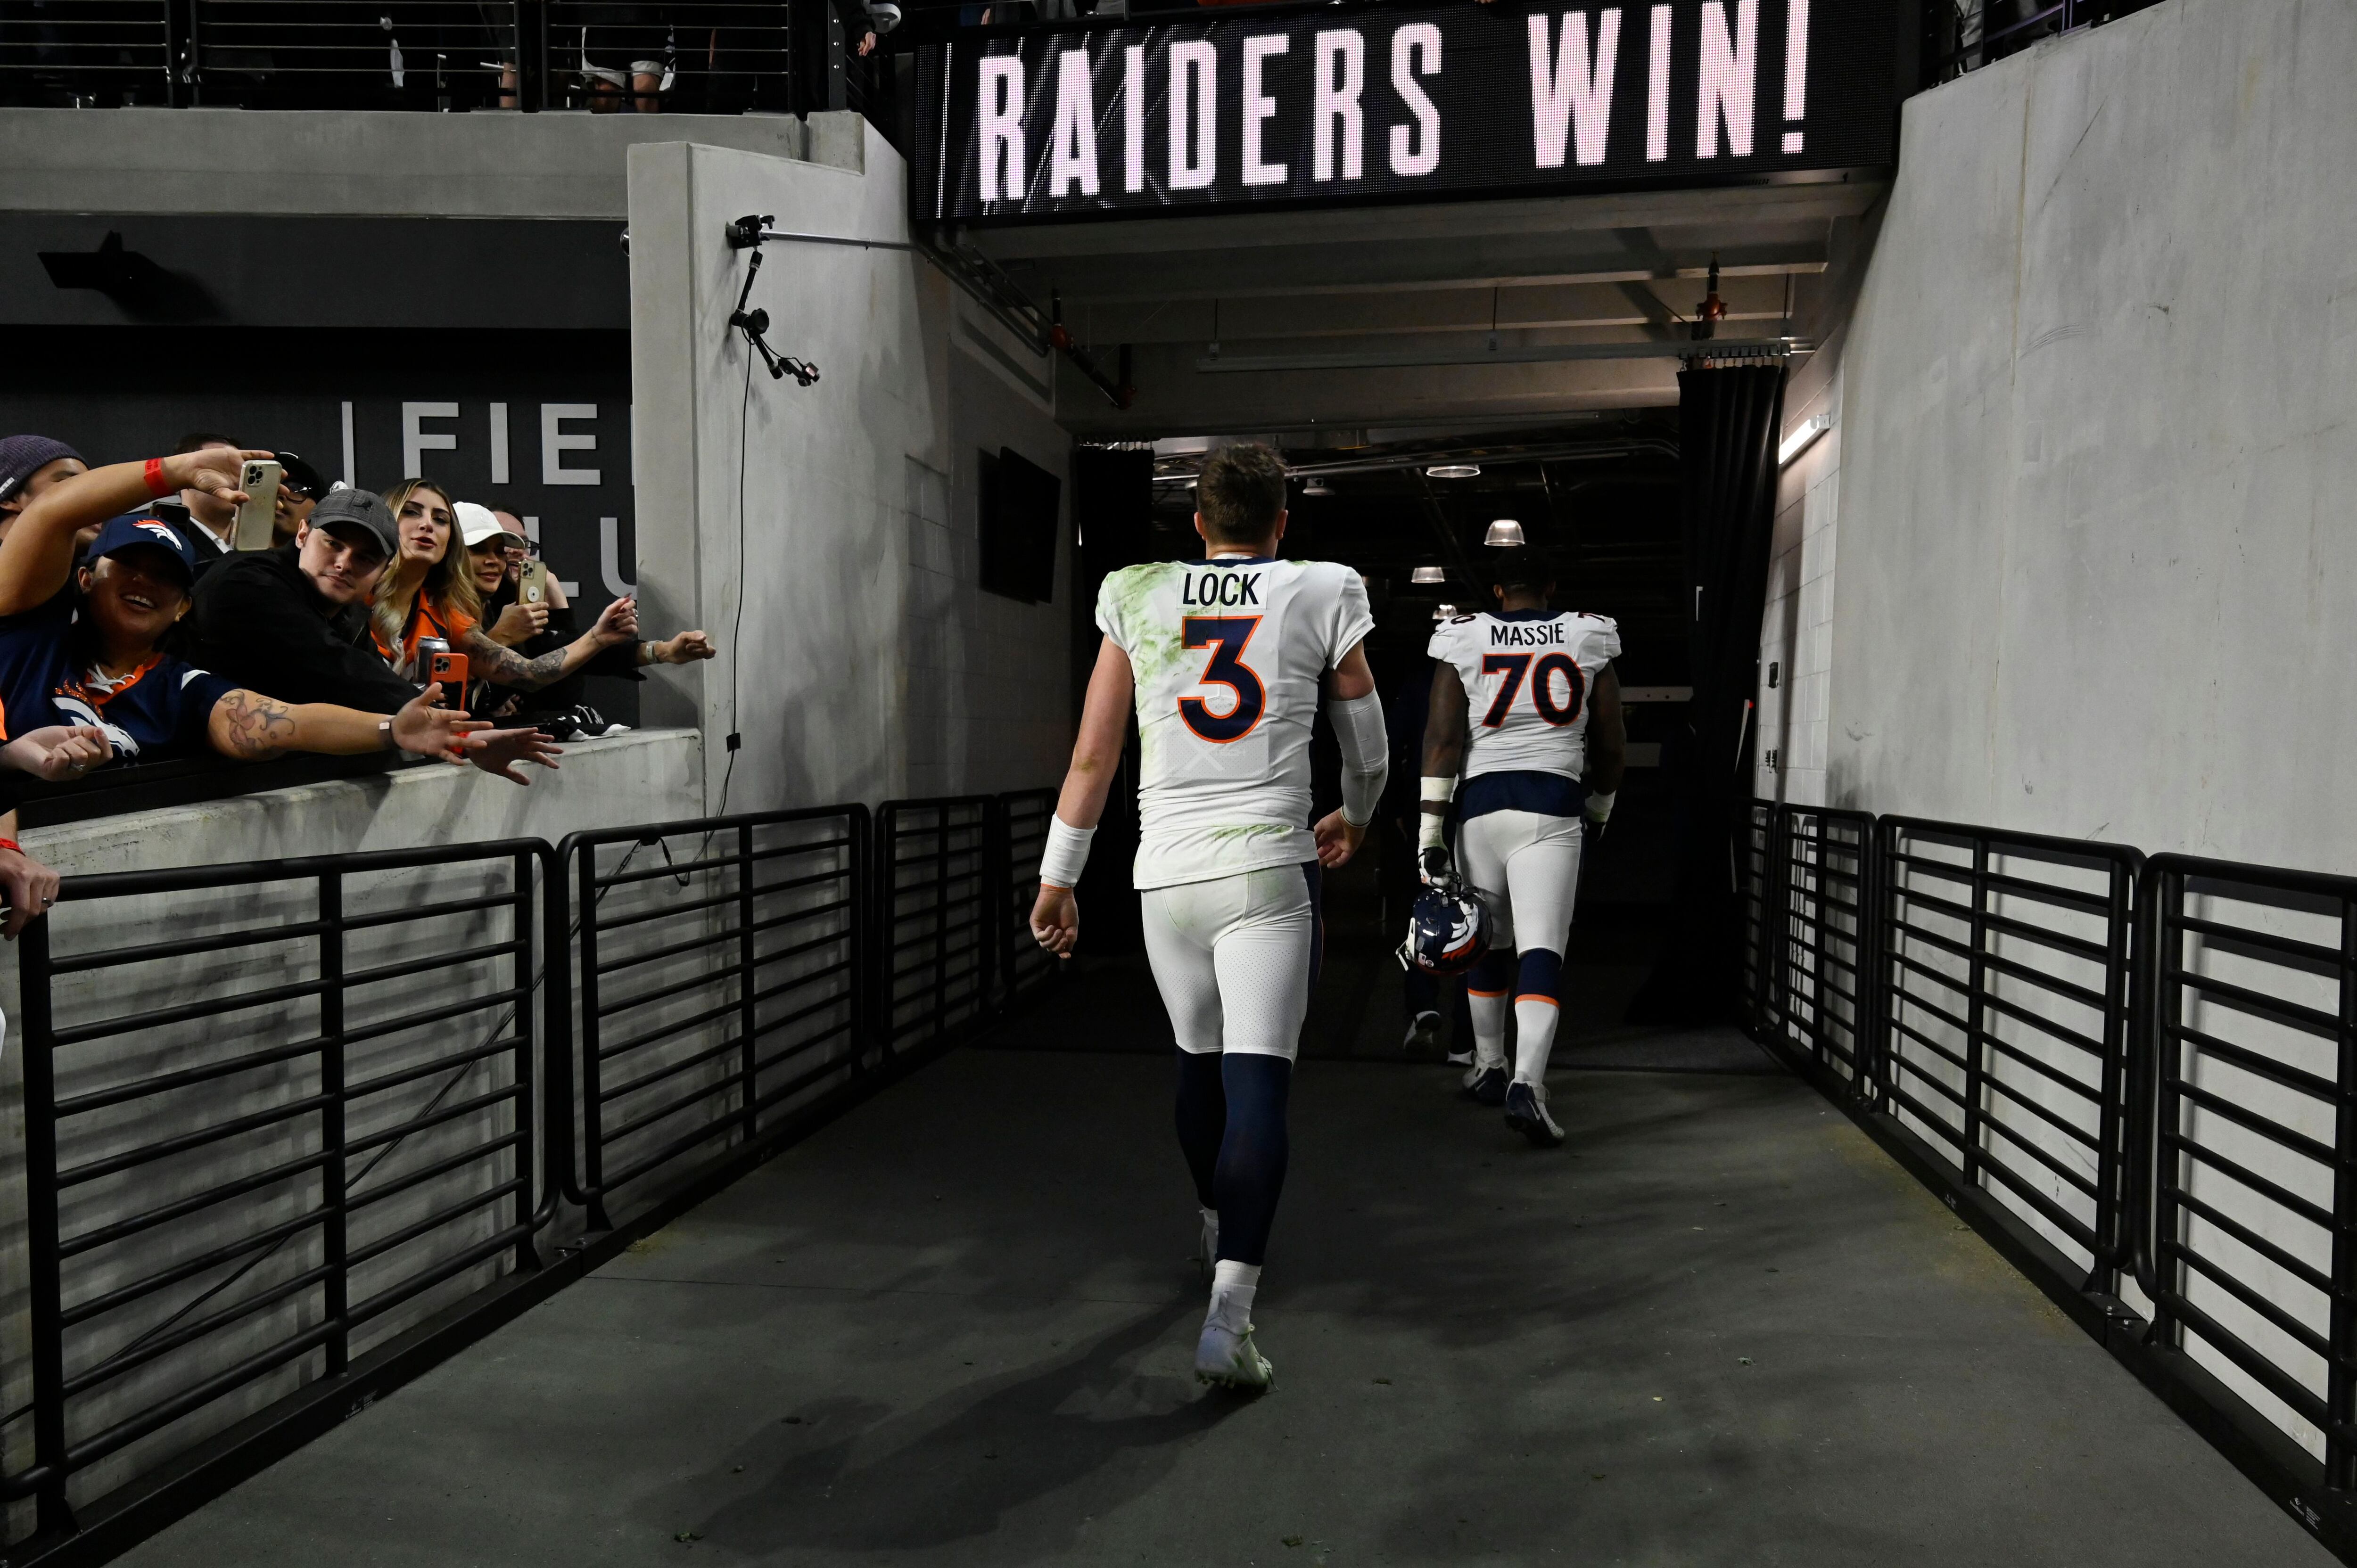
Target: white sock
x=1535, y=1020
x=1234, y=1285
x=1488, y=1028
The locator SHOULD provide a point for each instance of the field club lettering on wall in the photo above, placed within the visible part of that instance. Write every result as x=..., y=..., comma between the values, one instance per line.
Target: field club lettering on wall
x=1344, y=104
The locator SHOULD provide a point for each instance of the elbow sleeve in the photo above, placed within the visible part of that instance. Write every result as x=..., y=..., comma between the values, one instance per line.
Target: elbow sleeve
x=1366, y=755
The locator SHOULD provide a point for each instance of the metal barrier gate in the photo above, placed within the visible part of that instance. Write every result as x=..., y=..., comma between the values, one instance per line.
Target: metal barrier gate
x=294, y=1130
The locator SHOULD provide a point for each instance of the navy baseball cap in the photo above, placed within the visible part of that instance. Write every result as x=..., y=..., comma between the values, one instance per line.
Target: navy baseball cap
x=22, y=456
x=135, y=529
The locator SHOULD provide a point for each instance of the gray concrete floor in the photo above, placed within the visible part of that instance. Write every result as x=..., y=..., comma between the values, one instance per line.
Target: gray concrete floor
x=955, y=1328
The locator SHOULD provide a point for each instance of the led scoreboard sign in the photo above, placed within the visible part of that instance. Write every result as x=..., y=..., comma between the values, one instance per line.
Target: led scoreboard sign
x=1242, y=107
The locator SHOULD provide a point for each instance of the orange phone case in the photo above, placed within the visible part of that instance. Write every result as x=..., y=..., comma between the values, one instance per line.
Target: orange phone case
x=450, y=669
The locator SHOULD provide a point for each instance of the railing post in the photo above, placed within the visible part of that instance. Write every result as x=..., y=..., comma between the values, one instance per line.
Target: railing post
x=529, y=47
x=2168, y=998
x=332, y=1175
x=1976, y=977
x=527, y=1256
x=556, y=1108
x=2118, y=1041
x=54, y=1514
x=747, y=1057
x=593, y=1143
x=2341, y=1383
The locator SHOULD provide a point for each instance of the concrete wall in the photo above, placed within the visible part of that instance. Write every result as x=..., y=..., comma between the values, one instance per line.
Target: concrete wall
x=1796, y=631
x=2098, y=453
x=861, y=662
x=2095, y=457
x=360, y=163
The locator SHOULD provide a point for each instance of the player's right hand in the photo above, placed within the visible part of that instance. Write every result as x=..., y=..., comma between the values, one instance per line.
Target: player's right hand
x=1056, y=920
x=1435, y=864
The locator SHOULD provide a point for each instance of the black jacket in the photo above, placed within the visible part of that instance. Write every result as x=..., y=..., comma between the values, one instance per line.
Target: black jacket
x=259, y=622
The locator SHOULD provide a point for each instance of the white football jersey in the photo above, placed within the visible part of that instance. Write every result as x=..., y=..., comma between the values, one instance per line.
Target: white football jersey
x=1527, y=676
x=1230, y=658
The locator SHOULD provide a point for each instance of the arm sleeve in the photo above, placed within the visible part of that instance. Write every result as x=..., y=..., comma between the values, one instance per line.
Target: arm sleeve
x=1366, y=755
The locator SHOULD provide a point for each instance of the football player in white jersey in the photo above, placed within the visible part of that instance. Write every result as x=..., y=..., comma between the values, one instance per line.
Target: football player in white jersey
x=1227, y=659
x=1526, y=701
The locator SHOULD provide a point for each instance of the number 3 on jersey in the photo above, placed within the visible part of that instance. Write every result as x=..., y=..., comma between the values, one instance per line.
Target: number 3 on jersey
x=1225, y=636
x=1515, y=667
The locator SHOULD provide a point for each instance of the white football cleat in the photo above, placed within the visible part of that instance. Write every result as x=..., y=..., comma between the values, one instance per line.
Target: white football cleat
x=1225, y=1358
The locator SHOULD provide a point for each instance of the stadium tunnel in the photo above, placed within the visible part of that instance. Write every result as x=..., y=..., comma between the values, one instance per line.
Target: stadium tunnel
x=1896, y=1221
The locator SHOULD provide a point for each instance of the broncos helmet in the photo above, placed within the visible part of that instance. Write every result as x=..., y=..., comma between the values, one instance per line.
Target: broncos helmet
x=1448, y=929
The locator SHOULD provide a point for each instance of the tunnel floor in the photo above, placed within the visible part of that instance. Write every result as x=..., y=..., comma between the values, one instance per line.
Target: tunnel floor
x=956, y=1326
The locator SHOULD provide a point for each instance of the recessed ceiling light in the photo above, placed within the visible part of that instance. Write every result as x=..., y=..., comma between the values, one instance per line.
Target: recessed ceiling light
x=1442, y=612
x=1429, y=574
x=1453, y=471
x=1505, y=534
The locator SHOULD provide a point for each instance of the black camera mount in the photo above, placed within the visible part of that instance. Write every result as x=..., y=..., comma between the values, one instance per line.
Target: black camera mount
x=747, y=233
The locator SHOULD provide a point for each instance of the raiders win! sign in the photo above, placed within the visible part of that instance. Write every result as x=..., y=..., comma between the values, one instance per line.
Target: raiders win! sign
x=1244, y=107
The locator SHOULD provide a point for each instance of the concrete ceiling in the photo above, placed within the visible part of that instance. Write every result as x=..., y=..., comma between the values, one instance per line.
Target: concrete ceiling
x=1444, y=285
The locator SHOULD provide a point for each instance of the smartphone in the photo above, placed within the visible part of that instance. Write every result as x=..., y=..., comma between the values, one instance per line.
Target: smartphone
x=532, y=585
x=257, y=516
x=450, y=669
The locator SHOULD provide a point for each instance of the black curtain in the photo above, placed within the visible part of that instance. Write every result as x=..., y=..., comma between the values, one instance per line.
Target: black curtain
x=1729, y=419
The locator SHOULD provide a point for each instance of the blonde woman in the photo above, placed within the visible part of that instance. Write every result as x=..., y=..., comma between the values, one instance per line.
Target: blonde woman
x=427, y=591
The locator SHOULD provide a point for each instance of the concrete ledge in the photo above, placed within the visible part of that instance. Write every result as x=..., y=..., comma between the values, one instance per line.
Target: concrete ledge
x=365, y=162
x=649, y=776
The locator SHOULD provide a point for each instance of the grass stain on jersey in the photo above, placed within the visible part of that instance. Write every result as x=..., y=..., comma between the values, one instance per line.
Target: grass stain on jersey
x=1153, y=650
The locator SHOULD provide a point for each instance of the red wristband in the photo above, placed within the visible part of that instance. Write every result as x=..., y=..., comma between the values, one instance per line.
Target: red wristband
x=158, y=486
x=12, y=843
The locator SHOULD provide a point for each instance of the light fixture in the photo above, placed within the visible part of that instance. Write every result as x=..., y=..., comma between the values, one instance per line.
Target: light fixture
x=1453, y=471
x=1428, y=574
x=1505, y=534
x=1442, y=612
x=1802, y=439
x=1316, y=488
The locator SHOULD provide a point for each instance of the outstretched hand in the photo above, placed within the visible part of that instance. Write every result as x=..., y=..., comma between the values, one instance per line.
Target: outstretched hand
x=617, y=623
x=1337, y=840
x=212, y=469
x=429, y=731
x=30, y=888
x=57, y=753
x=1056, y=920
x=502, y=750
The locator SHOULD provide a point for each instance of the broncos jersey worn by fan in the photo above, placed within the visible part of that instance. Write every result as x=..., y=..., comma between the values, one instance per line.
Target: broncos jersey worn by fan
x=1229, y=656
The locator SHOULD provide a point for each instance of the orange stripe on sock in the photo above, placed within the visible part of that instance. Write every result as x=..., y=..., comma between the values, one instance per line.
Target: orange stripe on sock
x=1492, y=995
x=1528, y=996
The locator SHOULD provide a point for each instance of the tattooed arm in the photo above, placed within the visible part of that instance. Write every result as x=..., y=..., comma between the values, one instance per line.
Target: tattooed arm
x=506, y=667
x=250, y=727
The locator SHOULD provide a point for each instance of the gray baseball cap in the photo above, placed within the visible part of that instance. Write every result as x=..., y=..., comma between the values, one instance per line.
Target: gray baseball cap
x=364, y=508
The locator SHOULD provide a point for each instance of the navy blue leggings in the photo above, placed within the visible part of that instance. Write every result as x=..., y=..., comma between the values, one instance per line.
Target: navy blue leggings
x=1232, y=1126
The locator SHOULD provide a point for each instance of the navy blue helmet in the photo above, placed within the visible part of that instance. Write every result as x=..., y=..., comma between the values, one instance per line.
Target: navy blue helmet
x=1448, y=929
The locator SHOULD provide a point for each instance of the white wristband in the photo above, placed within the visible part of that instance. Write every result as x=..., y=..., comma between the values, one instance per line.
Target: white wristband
x=1433, y=832
x=1066, y=853
x=1599, y=804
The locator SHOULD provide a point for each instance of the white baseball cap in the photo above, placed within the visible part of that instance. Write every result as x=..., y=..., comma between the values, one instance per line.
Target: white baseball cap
x=477, y=524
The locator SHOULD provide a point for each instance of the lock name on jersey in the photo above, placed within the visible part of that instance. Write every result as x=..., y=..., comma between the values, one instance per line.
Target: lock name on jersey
x=1227, y=589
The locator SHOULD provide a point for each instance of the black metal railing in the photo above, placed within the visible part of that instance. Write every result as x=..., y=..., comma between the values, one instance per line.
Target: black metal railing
x=231, y=1192
x=720, y=983
x=2137, y=1078
x=938, y=947
x=2247, y=1110
x=295, y=1130
x=1026, y=967
x=1964, y=35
